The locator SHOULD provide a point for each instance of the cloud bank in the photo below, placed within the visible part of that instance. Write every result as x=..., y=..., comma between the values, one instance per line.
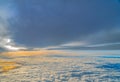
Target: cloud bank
x=60, y=23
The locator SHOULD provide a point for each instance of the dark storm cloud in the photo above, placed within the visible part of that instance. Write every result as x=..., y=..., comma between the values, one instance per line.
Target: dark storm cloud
x=43, y=23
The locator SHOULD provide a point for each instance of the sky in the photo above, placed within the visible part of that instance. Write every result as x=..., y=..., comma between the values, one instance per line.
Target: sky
x=60, y=24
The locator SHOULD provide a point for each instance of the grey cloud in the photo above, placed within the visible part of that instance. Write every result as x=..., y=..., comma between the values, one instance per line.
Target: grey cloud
x=6, y=15
x=4, y=33
x=105, y=36
x=53, y=22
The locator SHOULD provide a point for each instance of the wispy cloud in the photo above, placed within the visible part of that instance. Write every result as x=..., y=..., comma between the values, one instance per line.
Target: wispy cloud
x=6, y=41
x=105, y=44
x=78, y=43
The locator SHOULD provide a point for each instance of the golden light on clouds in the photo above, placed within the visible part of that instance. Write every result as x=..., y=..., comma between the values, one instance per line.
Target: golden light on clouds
x=32, y=53
x=5, y=66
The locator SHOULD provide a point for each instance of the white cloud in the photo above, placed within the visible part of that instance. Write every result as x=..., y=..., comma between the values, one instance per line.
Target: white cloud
x=6, y=41
x=74, y=44
x=70, y=44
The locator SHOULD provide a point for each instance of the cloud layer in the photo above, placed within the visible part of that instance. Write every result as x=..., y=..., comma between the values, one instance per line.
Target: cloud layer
x=44, y=23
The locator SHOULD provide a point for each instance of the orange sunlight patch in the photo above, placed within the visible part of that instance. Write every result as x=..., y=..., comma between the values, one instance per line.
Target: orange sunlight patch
x=5, y=66
x=31, y=53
